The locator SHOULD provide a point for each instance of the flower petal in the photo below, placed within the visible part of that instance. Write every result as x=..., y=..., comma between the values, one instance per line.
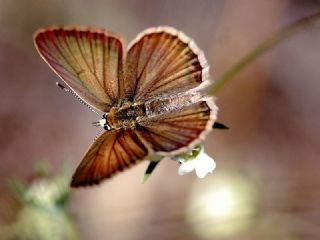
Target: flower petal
x=204, y=165
x=186, y=167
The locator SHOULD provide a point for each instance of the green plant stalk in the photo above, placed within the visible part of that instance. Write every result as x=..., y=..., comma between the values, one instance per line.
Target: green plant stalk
x=266, y=45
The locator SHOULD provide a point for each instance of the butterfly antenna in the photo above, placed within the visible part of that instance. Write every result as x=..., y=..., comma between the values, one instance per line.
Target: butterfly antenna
x=76, y=96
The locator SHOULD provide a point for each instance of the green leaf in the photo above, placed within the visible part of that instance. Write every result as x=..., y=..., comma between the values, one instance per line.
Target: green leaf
x=18, y=188
x=190, y=155
x=218, y=125
x=155, y=159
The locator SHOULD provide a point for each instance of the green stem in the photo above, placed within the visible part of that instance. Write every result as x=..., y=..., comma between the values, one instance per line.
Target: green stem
x=269, y=43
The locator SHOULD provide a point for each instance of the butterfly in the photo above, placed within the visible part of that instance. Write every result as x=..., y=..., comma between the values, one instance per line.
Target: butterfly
x=150, y=96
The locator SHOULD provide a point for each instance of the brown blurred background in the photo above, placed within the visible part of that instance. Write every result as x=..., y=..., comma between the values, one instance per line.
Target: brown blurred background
x=272, y=108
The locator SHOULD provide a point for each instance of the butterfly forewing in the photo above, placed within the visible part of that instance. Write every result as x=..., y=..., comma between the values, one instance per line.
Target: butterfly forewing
x=89, y=61
x=162, y=61
x=113, y=151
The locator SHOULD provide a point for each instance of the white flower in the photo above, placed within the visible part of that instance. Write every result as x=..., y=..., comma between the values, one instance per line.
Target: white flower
x=202, y=164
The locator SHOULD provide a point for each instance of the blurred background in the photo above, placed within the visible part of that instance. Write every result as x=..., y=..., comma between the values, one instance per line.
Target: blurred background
x=267, y=181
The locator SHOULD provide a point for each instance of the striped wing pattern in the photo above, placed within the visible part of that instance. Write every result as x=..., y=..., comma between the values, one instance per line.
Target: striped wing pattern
x=89, y=61
x=113, y=151
x=162, y=61
x=178, y=130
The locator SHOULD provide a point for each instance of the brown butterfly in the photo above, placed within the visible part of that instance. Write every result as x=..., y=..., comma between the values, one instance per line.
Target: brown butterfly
x=151, y=95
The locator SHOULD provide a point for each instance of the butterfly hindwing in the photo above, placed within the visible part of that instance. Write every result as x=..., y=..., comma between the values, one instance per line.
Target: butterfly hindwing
x=112, y=152
x=162, y=61
x=174, y=132
x=89, y=61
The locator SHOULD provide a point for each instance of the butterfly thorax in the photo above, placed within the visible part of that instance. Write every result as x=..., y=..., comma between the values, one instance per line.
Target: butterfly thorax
x=126, y=115
x=129, y=114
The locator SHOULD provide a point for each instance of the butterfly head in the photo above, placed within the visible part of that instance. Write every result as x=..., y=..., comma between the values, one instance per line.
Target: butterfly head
x=102, y=123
